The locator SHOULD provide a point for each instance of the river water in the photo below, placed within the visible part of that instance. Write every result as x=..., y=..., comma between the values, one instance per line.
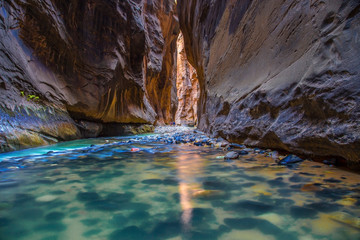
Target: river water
x=170, y=191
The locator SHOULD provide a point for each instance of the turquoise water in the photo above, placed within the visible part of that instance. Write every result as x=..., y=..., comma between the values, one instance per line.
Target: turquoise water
x=168, y=191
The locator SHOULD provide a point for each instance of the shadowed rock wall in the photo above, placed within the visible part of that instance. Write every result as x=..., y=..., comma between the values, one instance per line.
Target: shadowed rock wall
x=102, y=61
x=281, y=74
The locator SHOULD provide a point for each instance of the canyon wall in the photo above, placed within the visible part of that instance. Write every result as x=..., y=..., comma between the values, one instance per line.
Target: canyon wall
x=187, y=85
x=64, y=63
x=281, y=74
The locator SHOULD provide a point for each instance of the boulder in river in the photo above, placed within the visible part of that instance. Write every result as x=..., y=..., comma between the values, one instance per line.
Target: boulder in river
x=232, y=155
x=290, y=159
x=243, y=152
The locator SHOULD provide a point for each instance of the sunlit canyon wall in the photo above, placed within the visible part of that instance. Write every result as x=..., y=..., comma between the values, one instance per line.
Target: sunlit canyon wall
x=188, y=89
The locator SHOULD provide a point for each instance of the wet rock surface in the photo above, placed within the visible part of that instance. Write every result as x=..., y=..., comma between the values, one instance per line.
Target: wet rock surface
x=290, y=159
x=33, y=126
x=278, y=74
x=231, y=155
x=92, y=61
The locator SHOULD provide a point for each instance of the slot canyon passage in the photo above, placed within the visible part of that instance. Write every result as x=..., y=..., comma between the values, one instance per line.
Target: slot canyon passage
x=187, y=119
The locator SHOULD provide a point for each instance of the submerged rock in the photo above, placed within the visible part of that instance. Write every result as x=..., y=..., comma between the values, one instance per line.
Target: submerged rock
x=277, y=182
x=325, y=207
x=51, y=227
x=310, y=188
x=54, y=216
x=139, y=215
x=346, y=218
x=103, y=205
x=297, y=179
x=210, y=194
x=251, y=206
x=129, y=233
x=4, y=222
x=231, y=155
x=32, y=213
x=91, y=233
x=87, y=196
x=347, y=201
x=165, y=230
x=302, y=212
x=235, y=145
x=243, y=152
x=264, y=226
x=46, y=198
x=216, y=184
x=333, y=194
x=290, y=159
x=120, y=197
x=274, y=155
x=118, y=220
x=332, y=180
x=201, y=217
x=154, y=181
x=91, y=221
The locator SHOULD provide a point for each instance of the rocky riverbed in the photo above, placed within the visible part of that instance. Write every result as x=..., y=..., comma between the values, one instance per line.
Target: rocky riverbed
x=174, y=184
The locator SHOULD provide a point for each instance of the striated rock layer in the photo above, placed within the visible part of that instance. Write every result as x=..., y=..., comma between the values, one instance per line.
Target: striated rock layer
x=281, y=74
x=187, y=85
x=99, y=61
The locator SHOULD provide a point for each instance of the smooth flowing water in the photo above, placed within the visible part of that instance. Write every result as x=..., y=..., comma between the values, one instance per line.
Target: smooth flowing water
x=168, y=191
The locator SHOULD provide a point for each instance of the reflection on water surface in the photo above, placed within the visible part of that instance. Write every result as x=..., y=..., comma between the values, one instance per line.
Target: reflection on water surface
x=171, y=192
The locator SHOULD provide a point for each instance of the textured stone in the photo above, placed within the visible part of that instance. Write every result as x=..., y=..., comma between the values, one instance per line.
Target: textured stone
x=231, y=155
x=96, y=61
x=90, y=129
x=187, y=85
x=278, y=74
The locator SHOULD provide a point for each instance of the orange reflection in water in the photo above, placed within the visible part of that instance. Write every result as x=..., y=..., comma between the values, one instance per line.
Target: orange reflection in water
x=190, y=166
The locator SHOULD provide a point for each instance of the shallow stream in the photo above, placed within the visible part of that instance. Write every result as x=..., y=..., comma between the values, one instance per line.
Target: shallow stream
x=170, y=191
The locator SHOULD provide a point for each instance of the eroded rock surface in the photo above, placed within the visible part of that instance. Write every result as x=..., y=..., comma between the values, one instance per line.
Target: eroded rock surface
x=100, y=61
x=187, y=85
x=278, y=74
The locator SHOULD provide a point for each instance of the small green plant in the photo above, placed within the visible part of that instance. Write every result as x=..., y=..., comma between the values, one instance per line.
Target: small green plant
x=30, y=96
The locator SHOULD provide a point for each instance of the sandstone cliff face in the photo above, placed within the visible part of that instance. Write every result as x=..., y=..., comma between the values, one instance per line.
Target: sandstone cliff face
x=187, y=85
x=101, y=61
x=281, y=74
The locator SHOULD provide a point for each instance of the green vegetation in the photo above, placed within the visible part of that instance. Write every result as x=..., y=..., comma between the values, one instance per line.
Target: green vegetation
x=30, y=96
